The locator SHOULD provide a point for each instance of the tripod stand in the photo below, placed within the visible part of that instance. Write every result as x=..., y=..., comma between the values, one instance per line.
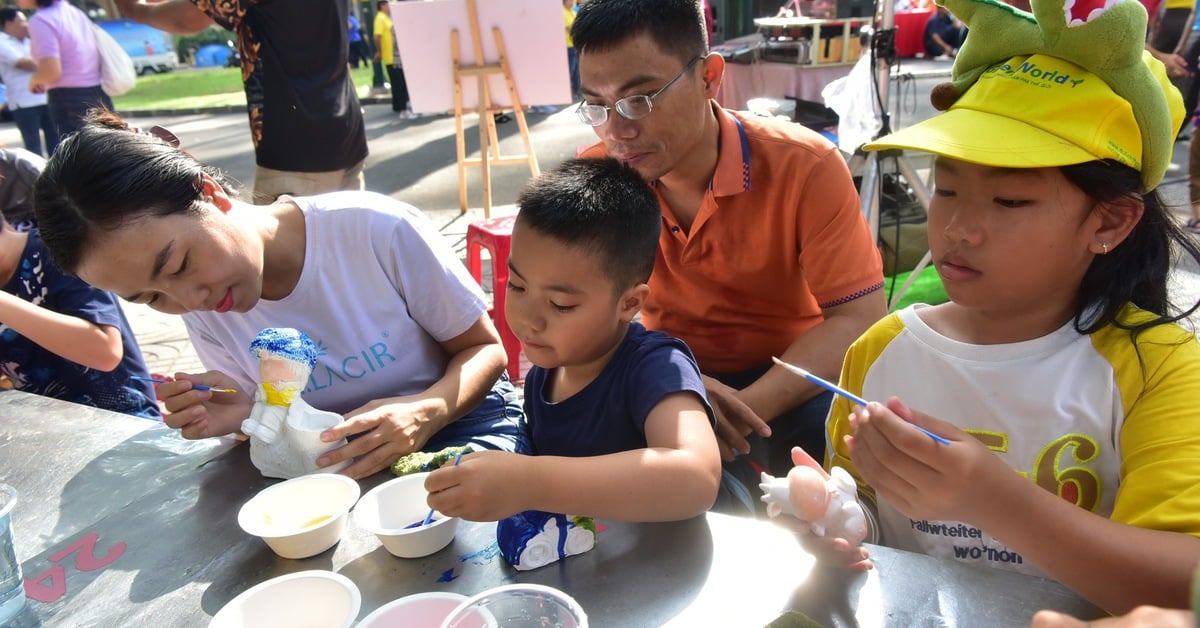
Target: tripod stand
x=871, y=165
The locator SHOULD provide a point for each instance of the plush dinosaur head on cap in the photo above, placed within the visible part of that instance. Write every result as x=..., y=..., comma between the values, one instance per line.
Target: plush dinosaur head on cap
x=1104, y=37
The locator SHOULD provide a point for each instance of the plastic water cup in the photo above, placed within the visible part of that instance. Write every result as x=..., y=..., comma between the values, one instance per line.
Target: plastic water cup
x=518, y=606
x=12, y=587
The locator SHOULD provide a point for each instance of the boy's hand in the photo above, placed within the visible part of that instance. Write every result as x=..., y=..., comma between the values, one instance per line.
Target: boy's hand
x=924, y=479
x=204, y=413
x=390, y=428
x=735, y=419
x=483, y=486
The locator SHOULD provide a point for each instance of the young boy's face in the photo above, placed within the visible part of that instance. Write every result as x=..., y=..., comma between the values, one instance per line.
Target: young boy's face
x=561, y=305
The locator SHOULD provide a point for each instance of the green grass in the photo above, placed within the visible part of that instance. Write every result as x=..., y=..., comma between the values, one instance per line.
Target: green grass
x=204, y=87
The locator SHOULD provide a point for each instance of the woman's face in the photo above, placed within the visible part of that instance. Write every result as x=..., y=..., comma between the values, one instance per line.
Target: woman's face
x=184, y=262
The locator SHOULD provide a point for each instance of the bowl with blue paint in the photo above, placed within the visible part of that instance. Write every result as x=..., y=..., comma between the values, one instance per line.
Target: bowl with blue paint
x=396, y=512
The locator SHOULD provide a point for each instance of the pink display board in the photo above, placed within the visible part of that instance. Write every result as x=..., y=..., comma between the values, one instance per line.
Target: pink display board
x=534, y=38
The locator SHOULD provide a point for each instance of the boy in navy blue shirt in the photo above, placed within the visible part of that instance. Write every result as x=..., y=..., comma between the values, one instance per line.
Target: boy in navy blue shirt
x=618, y=417
x=62, y=338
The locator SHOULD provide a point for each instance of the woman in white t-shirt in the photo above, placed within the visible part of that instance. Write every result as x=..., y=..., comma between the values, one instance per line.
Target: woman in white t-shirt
x=407, y=351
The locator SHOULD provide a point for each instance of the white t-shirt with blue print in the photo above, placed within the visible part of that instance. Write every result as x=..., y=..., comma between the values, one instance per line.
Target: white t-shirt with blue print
x=379, y=290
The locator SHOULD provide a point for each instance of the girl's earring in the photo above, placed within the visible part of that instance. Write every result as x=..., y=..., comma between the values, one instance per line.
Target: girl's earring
x=1104, y=245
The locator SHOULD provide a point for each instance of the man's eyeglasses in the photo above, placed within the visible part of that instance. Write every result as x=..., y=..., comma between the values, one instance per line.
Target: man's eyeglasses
x=630, y=107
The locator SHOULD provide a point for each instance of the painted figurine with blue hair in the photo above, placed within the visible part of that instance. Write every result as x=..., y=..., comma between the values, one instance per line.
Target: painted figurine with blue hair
x=284, y=431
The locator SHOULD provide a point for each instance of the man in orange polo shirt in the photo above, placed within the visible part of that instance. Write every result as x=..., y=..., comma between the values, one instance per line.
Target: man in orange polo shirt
x=764, y=250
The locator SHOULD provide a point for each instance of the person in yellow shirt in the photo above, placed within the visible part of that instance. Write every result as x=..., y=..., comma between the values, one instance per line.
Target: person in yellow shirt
x=388, y=53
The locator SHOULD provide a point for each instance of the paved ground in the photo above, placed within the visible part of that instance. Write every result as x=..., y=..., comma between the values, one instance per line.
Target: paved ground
x=415, y=161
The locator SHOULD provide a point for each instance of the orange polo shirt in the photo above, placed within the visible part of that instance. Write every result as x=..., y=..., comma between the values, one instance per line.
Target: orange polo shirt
x=780, y=234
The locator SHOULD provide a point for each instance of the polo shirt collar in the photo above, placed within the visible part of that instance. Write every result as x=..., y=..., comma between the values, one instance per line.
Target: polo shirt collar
x=732, y=175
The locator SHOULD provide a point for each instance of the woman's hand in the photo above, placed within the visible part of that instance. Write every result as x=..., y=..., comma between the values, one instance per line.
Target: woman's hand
x=390, y=428
x=204, y=413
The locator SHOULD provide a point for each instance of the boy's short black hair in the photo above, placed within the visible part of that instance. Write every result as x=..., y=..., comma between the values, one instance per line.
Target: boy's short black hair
x=7, y=14
x=676, y=26
x=602, y=206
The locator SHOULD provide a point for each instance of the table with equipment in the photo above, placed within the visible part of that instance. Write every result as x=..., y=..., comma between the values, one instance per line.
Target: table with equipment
x=121, y=522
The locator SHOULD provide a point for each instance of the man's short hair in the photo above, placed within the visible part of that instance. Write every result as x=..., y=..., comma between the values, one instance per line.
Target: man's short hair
x=599, y=205
x=676, y=26
x=8, y=14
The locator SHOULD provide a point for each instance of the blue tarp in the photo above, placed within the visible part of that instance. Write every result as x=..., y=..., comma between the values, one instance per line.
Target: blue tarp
x=212, y=55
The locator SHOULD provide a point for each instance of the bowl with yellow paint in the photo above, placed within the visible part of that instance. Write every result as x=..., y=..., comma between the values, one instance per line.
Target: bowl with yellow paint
x=396, y=510
x=303, y=516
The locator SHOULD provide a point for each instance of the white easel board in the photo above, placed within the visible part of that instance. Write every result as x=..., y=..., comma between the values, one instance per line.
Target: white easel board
x=534, y=38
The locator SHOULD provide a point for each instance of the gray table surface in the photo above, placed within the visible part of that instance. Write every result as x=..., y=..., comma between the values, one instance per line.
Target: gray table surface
x=120, y=522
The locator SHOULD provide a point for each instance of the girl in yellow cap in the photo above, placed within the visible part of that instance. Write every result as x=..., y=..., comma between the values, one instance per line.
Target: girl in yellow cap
x=1058, y=371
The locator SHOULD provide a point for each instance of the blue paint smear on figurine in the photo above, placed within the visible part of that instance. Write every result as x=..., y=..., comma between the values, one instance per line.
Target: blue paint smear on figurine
x=447, y=576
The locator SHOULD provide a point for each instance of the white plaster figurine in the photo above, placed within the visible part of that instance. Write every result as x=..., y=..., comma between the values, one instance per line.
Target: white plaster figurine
x=532, y=539
x=284, y=431
x=828, y=503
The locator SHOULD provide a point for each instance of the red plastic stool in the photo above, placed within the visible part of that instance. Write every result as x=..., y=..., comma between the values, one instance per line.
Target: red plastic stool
x=495, y=235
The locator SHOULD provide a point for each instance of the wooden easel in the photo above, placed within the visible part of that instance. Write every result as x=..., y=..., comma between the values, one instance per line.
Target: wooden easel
x=488, y=141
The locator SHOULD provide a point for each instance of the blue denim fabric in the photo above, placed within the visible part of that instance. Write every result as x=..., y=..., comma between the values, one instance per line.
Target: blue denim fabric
x=34, y=122
x=573, y=68
x=497, y=423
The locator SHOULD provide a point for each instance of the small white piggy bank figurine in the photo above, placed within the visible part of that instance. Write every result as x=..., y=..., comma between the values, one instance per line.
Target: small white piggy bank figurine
x=827, y=503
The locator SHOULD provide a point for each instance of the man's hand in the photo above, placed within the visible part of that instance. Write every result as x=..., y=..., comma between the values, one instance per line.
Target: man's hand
x=735, y=419
x=180, y=17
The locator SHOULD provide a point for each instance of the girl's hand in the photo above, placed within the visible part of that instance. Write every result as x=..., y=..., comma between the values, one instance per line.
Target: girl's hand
x=204, y=413
x=838, y=552
x=829, y=551
x=924, y=479
x=483, y=486
x=390, y=428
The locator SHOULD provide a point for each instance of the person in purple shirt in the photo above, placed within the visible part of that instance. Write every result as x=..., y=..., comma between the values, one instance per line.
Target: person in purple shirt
x=63, y=43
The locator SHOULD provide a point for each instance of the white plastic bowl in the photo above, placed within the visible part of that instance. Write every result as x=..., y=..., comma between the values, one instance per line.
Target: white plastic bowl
x=320, y=599
x=389, y=508
x=303, y=516
x=420, y=610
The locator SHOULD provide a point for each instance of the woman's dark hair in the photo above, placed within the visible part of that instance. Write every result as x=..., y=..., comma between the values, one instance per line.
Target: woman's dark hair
x=45, y=3
x=1137, y=270
x=106, y=176
x=676, y=26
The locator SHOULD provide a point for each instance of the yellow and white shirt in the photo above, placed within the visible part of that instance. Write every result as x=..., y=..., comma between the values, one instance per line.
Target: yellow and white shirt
x=1079, y=415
